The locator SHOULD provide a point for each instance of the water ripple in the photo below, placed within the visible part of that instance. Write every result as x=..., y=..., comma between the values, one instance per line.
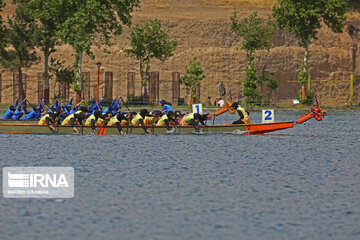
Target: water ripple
x=301, y=183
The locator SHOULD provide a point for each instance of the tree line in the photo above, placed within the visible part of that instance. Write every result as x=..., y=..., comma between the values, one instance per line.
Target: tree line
x=48, y=24
x=44, y=25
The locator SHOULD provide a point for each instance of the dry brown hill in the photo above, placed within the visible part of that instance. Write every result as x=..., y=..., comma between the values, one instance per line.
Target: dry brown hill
x=202, y=28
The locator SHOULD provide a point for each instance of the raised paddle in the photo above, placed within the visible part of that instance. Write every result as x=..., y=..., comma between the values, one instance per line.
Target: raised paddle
x=125, y=104
x=30, y=103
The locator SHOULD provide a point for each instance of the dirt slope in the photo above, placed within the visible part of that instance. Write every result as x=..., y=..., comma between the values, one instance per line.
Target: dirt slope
x=202, y=29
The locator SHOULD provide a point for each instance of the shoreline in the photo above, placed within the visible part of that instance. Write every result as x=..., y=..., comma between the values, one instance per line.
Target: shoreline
x=3, y=108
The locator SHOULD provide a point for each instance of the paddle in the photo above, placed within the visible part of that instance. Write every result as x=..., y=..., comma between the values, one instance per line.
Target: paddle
x=125, y=104
x=30, y=104
x=47, y=105
x=102, y=130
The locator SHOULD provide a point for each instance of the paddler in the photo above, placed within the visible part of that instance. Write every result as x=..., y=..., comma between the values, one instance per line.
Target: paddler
x=166, y=106
x=243, y=114
x=34, y=114
x=153, y=118
x=139, y=120
x=10, y=112
x=194, y=119
x=67, y=108
x=166, y=119
x=19, y=111
x=76, y=107
x=76, y=118
x=93, y=119
x=118, y=120
x=50, y=119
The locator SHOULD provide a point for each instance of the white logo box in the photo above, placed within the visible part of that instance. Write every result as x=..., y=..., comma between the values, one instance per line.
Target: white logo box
x=38, y=182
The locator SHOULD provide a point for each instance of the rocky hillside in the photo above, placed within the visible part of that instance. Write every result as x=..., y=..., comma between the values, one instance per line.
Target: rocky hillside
x=202, y=28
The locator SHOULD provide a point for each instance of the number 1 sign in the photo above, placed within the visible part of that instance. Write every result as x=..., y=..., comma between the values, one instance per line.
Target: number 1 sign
x=268, y=116
x=197, y=108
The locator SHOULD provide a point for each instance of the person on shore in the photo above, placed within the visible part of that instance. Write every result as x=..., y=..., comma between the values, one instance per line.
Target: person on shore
x=166, y=107
x=243, y=114
x=221, y=102
x=76, y=118
x=139, y=120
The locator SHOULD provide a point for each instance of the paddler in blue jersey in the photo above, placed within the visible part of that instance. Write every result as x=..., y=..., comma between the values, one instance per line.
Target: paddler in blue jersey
x=76, y=118
x=139, y=120
x=166, y=107
x=243, y=114
x=98, y=106
x=77, y=107
x=10, y=112
x=34, y=114
x=19, y=111
x=67, y=108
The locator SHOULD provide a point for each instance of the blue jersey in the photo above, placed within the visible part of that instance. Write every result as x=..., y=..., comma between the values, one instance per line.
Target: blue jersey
x=33, y=115
x=74, y=109
x=67, y=112
x=17, y=114
x=167, y=108
x=8, y=114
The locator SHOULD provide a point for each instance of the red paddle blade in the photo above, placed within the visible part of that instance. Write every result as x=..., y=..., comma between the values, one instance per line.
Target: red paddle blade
x=102, y=131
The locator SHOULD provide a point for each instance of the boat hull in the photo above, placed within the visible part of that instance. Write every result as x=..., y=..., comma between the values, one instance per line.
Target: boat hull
x=19, y=121
x=258, y=128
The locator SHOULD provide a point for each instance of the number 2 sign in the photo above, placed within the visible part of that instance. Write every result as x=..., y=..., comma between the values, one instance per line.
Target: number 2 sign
x=268, y=116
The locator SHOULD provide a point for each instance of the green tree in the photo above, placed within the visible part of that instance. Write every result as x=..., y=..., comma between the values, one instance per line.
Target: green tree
x=19, y=51
x=87, y=20
x=268, y=79
x=304, y=19
x=256, y=35
x=194, y=74
x=62, y=73
x=149, y=41
x=48, y=16
x=2, y=28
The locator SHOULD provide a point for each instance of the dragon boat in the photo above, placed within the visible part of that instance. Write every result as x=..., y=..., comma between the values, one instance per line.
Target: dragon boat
x=257, y=128
x=20, y=121
x=30, y=125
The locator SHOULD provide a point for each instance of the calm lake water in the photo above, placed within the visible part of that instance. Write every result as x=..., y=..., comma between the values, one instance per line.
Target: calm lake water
x=300, y=183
